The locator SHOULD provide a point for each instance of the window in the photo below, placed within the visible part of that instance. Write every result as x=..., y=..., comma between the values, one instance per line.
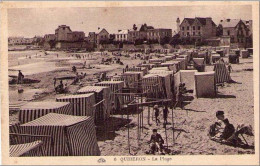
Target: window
x=198, y=27
x=188, y=28
x=182, y=33
x=199, y=33
x=228, y=33
x=188, y=33
x=183, y=28
x=193, y=27
x=193, y=33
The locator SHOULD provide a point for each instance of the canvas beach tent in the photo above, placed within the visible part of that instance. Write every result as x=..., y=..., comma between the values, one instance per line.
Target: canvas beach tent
x=187, y=77
x=215, y=57
x=22, y=150
x=250, y=51
x=233, y=58
x=244, y=54
x=221, y=72
x=115, y=87
x=199, y=64
x=102, y=94
x=34, y=110
x=158, y=85
x=144, y=70
x=71, y=135
x=131, y=78
x=82, y=104
x=205, y=84
x=182, y=63
x=172, y=65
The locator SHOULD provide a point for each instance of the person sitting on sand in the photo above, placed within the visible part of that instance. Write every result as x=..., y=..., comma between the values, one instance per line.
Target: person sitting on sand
x=221, y=129
x=156, y=142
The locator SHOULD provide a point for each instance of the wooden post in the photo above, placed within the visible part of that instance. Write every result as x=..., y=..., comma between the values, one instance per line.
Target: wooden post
x=148, y=115
x=166, y=136
x=173, y=139
x=128, y=131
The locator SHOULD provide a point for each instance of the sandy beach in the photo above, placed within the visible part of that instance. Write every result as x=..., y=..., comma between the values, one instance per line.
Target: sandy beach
x=191, y=124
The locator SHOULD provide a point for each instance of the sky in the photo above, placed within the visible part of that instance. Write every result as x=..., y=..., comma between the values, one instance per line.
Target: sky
x=28, y=22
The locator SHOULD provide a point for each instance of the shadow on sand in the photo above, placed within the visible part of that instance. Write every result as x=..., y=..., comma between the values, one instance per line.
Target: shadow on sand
x=106, y=130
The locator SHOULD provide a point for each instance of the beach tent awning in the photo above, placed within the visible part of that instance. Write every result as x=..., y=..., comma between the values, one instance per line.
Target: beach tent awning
x=82, y=104
x=22, y=149
x=72, y=135
x=34, y=110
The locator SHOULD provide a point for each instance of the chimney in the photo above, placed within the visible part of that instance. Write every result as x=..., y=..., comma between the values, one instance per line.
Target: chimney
x=221, y=20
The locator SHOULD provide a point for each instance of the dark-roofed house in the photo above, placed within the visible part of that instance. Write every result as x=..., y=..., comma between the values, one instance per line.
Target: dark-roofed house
x=198, y=28
x=238, y=30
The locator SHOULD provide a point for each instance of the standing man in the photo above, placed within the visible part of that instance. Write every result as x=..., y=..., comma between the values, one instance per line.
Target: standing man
x=229, y=68
x=179, y=96
x=165, y=114
x=156, y=113
x=20, y=77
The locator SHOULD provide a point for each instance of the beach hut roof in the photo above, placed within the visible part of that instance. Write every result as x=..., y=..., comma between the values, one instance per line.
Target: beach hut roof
x=44, y=105
x=53, y=119
x=76, y=96
x=91, y=89
x=110, y=82
x=205, y=73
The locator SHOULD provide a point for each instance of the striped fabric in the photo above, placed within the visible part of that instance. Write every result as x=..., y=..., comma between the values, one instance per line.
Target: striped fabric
x=72, y=135
x=132, y=78
x=136, y=69
x=115, y=87
x=23, y=149
x=157, y=85
x=101, y=92
x=16, y=106
x=47, y=142
x=82, y=104
x=221, y=72
x=34, y=110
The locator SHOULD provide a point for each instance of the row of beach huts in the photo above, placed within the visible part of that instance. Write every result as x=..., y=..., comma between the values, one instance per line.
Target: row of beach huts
x=66, y=127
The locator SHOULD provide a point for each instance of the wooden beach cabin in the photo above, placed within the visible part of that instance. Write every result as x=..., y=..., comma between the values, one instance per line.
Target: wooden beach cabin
x=205, y=84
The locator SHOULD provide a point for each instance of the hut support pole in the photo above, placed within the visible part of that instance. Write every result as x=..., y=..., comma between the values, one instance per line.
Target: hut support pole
x=173, y=139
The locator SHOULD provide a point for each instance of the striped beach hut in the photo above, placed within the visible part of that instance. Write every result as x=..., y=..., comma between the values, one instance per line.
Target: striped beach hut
x=115, y=87
x=131, y=78
x=71, y=135
x=221, y=72
x=82, y=104
x=157, y=85
x=34, y=110
x=102, y=94
x=24, y=150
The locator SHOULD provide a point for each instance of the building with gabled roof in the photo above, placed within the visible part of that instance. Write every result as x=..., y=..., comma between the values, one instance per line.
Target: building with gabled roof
x=238, y=30
x=198, y=28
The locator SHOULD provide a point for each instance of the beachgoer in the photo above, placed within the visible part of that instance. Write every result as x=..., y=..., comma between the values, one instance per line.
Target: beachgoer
x=228, y=130
x=156, y=114
x=54, y=82
x=20, y=77
x=74, y=69
x=165, y=114
x=156, y=142
x=229, y=68
x=179, y=96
